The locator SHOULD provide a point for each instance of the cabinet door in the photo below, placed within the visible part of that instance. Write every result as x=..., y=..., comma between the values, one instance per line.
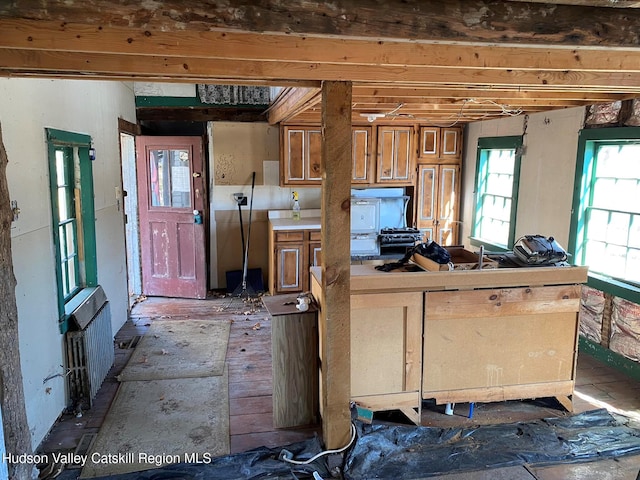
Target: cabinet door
x=450, y=143
x=294, y=154
x=361, y=166
x=289, y=267
x=438, y=191
x=447, y=219
x=395, y=155
x=315, y=250
x=300, y=157
x=440, y=143
x=429, y=142
x=315, y=254
x=313, y=160
x=427, y=201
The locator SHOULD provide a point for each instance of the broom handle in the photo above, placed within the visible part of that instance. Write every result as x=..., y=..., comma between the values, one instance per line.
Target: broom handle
x=246, y=251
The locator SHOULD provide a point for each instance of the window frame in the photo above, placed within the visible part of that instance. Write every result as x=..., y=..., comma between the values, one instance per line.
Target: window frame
x=80, y=144
x=588, y=139
x=498, y=143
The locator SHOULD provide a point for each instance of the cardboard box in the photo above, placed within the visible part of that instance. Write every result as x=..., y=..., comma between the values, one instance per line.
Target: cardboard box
x=461, y=258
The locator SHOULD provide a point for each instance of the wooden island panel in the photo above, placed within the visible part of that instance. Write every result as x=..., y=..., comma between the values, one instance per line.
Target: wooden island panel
x=464, y=336
x=386, y=352
x=500, y=344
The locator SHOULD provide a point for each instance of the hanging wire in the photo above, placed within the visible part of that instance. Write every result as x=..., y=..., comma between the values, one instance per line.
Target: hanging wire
x=505, y=110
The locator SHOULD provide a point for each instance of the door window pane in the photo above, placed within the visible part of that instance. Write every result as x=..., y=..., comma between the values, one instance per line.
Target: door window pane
x=170, y=178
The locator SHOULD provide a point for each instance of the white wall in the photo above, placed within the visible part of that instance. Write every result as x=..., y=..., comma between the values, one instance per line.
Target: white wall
x=546, y=174
x=236, y=150
x=155, y=89
x=27, y=107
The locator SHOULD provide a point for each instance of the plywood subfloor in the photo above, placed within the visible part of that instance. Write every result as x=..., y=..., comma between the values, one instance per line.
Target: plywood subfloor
x=248, y=362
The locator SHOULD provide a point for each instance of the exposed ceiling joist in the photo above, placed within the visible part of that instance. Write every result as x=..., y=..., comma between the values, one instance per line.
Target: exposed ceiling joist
x=14, y=61
x=292, y=101
x=423, y=58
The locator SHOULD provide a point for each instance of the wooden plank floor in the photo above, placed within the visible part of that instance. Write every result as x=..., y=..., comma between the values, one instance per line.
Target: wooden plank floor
x=248, y=362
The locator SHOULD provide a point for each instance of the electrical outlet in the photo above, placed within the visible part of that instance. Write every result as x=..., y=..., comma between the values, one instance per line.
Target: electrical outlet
x=240, y=198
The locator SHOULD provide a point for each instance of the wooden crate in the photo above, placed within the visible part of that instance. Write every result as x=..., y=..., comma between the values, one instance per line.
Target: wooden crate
x=461, y=258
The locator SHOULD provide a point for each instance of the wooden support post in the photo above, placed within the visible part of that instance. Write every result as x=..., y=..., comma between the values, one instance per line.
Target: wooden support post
x=336, y=260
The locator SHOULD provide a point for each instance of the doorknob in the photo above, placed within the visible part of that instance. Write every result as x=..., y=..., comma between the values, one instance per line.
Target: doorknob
x=196, y=175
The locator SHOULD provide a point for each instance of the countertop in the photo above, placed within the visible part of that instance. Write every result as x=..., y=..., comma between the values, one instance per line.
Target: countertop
x=312, y=223
x=366, y=279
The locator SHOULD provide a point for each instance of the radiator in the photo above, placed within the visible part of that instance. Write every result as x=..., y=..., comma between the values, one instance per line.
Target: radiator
x=90, y=351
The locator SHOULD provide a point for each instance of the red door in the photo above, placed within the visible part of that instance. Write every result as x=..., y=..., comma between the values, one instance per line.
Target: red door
x=171, y=187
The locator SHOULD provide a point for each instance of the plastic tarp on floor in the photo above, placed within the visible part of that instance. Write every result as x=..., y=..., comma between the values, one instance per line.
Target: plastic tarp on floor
x=255, y=464
x=398, y=452
x=410, y=452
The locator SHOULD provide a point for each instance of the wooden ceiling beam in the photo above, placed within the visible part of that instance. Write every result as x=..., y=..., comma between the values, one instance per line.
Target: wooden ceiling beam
x=48, y=35
x=589, y=3
x=503, y=88
x=455, y=93
x=291, y=102
x=465, y=21
x=200, y=114
x=362, y=103
x=433, y=119
x=15, y=62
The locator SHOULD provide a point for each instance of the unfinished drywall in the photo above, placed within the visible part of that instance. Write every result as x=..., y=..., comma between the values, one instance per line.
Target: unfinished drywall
x=546, y=175
x=27, y=107
x=236, y=151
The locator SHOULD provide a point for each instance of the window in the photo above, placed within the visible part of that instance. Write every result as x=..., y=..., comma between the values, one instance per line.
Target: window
x=496, y=191
x=72, y=212
x=605, y=229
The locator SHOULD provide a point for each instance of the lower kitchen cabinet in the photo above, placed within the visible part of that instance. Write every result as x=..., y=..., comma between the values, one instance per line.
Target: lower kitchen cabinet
x=315, y=249
x=292, y=252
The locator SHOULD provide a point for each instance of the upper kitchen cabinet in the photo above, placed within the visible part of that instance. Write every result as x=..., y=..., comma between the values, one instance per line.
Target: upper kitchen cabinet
x=395, y=155
x=301, y=156
x=362, y=168
x=437, y=209
x=440, y=143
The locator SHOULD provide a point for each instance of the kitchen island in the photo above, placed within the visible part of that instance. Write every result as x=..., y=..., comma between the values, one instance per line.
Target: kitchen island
x=461, y=336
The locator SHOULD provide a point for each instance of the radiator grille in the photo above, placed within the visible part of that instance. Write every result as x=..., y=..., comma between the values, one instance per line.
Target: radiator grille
x=90, y=355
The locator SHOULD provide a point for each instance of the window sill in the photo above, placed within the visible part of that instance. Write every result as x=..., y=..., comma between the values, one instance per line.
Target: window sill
x=614, y=287
x=477, y=242
x=79, y=309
